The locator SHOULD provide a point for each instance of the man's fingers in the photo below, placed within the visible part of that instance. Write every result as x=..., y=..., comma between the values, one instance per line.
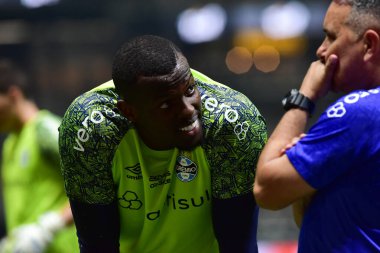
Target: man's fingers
x=331, y=65
x=292, y=143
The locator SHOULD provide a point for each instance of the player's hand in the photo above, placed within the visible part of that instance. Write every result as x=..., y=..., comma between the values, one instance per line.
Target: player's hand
x=292, y=143
x=31, y=238
x=36, y=237
x=5, y=245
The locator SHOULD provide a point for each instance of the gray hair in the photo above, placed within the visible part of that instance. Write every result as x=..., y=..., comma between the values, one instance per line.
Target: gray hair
x=365, y=14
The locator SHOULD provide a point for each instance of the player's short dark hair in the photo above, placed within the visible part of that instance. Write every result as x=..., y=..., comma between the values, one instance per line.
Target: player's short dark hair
x=146, y=55
x=11, y=75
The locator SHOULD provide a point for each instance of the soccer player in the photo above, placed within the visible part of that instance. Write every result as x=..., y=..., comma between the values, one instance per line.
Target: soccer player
x=331, y=176
x=161, y=158
x=37, y=212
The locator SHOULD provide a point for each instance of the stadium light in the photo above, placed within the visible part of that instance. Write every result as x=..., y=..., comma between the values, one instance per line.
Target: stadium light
x=287, y=20
x=197, y=25
x=38, y=3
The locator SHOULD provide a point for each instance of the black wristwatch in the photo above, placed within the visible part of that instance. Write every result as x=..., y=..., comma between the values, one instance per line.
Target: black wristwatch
x=295, y=99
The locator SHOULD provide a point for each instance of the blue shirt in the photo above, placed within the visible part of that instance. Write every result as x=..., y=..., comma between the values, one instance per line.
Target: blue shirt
x=340, y=157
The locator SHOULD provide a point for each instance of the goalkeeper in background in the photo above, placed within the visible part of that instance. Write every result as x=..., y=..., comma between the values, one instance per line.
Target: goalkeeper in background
x=37, y=214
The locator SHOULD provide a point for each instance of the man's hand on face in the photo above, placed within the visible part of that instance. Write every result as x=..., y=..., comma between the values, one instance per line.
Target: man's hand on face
x=319, y=78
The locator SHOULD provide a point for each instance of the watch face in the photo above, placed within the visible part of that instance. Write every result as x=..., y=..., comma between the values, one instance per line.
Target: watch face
x=288, y=97
x=284, y=101
x=293, y=92
x=295, y=99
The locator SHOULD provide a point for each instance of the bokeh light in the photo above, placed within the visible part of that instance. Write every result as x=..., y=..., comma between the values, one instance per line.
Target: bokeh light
x=239, y=60
x=253, y=39
x=197, y=25
x=38, y=3
x=285, y=20
x=266, y=58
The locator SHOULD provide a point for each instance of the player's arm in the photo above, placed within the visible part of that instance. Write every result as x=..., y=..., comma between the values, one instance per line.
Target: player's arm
x=66, y=214
x=235, y=223
x=89, y=135
x=235, y=212
x=97, y=226
x=48, y=135
x=277, y=183
x=299, y=207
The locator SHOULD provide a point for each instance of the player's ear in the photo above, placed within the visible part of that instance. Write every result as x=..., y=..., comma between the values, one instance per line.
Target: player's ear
x=371, y=44
x=127, y=110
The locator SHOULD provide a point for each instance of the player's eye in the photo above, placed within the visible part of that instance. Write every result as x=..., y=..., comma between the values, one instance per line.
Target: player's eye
x=190, y=90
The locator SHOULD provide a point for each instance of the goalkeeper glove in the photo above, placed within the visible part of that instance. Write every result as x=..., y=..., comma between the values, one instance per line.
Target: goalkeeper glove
x=35, y=237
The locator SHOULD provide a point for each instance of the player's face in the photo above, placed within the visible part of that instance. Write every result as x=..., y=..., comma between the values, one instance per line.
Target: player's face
x=167, y=110
x=348, y=46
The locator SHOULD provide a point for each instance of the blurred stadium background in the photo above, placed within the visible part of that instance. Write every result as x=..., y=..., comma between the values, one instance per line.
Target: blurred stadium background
x=262, y=48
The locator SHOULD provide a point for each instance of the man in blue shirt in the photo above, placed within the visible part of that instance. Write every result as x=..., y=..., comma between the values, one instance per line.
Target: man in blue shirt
x=331, y=175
